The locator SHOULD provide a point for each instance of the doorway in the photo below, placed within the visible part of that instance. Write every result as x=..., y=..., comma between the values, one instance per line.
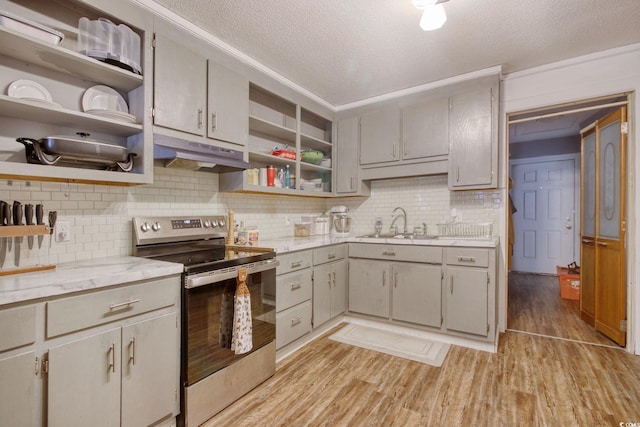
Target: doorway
x=544, y=152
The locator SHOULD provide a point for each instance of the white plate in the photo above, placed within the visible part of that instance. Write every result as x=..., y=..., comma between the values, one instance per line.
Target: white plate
x=103, y=98
x=43, y=102
x=29, y=89
x=116, y=115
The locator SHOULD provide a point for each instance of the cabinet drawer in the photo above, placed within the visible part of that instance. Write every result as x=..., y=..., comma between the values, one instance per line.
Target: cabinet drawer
x=329, y=253
x=292, y=289
x=293, y=323
x=467, y=256
x=411, y=253
x=85, y=311
x=293, y=261
x=17, y=327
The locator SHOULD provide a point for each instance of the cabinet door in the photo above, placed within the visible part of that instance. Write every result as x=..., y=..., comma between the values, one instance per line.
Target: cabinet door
x=150, y=370
x=425, y=129
x=227, y=105
x=321, y=294
x=473, y=147
x=179, y=87
x=84, y=382
x=417, y=294
x=380, y=136
x=467, y=300
x=17, y=404
x=339, y=289
x=369, y=287
x=347, y=168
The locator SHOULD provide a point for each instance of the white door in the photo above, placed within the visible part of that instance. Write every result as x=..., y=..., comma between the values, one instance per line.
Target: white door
x=544, y=194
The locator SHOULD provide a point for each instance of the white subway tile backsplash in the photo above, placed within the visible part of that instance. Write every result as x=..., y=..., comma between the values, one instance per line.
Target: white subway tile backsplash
x=100, y=215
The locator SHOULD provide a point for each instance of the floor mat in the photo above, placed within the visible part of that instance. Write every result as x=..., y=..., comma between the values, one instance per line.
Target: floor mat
x=394, y=343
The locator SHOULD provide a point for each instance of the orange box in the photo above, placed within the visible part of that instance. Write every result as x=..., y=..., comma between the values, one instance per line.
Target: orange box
x=569, y=284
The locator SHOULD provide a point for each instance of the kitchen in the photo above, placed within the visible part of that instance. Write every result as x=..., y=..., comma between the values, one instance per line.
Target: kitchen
x=100, y=215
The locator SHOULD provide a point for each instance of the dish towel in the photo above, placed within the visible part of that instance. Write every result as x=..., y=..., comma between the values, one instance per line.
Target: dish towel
x=242, y=340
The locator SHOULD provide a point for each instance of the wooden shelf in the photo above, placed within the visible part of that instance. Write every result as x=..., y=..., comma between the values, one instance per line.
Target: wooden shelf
x=60, y=59
x=314, y=143
x=263, y=127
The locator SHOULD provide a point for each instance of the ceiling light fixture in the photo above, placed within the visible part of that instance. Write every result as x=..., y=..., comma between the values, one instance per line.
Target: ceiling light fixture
x=433, y=15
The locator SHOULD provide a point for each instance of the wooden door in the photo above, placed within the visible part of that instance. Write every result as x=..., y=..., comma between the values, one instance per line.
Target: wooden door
x=84, y=382
x=467, y=295
x=150, y=360
x=611, y=227
x=588, y=228
x=321, y=294
x=339, y=291
x=17, y=390
x=417, y=294
x=369, y=287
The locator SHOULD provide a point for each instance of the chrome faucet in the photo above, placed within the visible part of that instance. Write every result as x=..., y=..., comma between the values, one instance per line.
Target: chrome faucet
x=404, y=218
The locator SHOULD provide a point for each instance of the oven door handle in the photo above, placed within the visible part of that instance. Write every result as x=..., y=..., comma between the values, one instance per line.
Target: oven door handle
x=215, y=276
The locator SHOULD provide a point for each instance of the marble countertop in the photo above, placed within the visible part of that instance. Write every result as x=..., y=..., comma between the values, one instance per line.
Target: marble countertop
x=80, y=276
x=291, y=244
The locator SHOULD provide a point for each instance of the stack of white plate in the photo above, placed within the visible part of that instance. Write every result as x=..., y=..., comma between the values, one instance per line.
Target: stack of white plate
x=106, y=102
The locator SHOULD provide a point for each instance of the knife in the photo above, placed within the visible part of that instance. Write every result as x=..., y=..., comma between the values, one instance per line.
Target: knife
x=53, y=216
x=4, y=220
x=39, y=221
x=17, y=220
x=7, y=221
x=28, y=216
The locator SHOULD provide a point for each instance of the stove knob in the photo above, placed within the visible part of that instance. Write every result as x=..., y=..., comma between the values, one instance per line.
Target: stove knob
x=156, y=226
x=214, y=223
x=145, y=227
x=207, y=223
x=221, y=223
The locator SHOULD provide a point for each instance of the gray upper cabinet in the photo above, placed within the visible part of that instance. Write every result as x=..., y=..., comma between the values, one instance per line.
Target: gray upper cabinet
x=473, y=128
x=227, y=105
x=425, y=131
x=179, y=87
x=380, y=136
x=347, y=168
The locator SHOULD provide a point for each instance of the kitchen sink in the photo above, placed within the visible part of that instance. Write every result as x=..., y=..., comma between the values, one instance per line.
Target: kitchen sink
x=398, y=236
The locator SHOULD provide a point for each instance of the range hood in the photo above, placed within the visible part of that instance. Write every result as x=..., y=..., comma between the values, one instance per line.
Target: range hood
x=183, y=154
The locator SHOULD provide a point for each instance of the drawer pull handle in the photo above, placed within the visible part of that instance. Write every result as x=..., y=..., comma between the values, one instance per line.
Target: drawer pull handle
x=392, y=253
x=587, y=241
x=296, y=285
x=602, y=244
x=331, y=256
x=132, y=349
x=296, y=320
x=295, y=264
x=112, y=362
x=122, y=304
x=466, y=259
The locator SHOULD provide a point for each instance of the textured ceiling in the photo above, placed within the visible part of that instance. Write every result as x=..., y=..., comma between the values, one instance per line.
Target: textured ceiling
x=345, y=51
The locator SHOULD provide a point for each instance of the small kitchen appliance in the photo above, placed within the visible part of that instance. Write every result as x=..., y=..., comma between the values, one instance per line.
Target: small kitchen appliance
x=340, y=221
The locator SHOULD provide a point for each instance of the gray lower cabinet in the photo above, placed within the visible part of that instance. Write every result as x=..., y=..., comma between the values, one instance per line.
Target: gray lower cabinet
x=470, y=291
x=369, y=287
x=417, y=294
x=293, y=296
x=100, y=358
x=329, y=291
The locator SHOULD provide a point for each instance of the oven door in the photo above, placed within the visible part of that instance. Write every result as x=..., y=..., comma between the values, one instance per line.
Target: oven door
x=208, y=317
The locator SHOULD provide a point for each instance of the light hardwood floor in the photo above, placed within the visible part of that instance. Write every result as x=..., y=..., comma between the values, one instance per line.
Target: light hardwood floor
x=530, y=381
x=535, y=306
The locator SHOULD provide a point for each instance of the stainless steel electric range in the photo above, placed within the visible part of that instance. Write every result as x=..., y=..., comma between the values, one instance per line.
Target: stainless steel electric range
x=211, y=373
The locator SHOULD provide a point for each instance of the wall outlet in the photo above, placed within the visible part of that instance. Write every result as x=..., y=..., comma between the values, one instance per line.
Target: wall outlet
x=63, y=231
x=287, y=220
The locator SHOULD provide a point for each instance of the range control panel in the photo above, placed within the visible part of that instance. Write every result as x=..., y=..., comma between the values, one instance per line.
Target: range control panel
x=149, y=230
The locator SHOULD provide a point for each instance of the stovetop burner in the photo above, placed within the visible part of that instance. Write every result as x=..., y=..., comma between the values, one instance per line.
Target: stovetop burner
x=196, y=242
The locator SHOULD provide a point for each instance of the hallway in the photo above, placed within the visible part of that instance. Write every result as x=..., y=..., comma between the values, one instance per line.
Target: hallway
x=535, y=306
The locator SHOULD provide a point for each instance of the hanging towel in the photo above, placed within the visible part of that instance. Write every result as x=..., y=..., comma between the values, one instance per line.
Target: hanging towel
x=242, y=340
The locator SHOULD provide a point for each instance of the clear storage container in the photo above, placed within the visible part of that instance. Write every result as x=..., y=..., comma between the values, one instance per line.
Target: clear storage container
x=106, y=41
